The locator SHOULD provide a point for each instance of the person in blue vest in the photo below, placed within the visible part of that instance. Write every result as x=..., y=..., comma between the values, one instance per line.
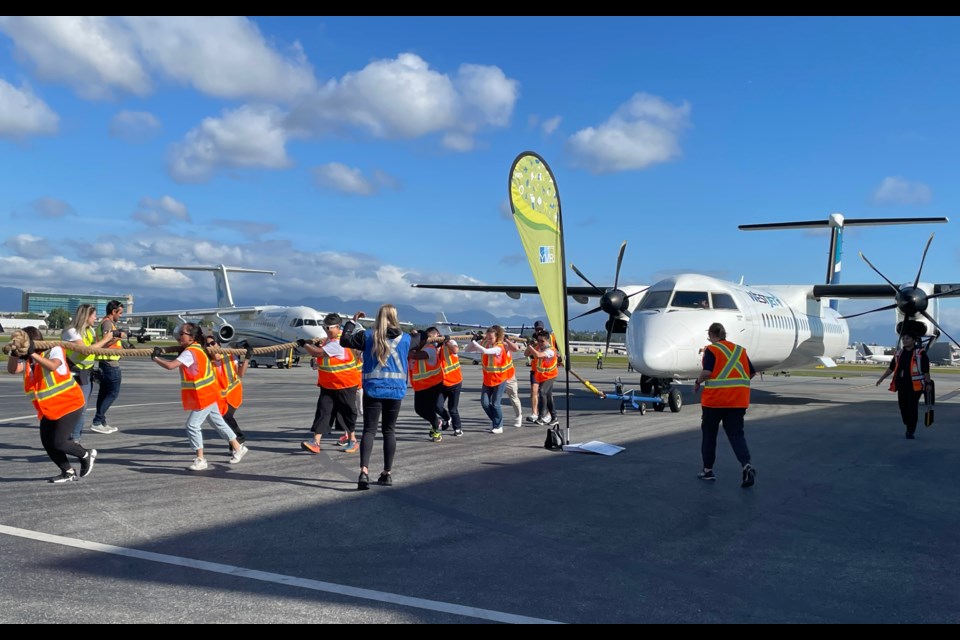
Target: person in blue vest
x=385, y=350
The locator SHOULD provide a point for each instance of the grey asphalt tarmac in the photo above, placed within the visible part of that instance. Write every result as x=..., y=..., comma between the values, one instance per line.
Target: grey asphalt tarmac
x=848, y=522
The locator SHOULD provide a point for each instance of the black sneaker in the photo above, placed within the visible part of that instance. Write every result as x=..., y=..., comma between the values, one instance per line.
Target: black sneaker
x=444, y=425
x=458, y=432
x=65, y=476
x=909, y=436
x=385, y=479
x=86, y=463
x=706, y=475
x=363, y=482
x=749, y=475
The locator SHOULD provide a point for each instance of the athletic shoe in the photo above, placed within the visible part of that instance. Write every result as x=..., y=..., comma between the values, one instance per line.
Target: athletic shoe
x=435, y=436
x=385, y=479
x=909, y=436
x=112, y=429
x=540, y=422
x=706, y=475
x=444, y=425
x=749, y=475
x=102, y=428
x=532, y=418
x=312, y=446
x=86, y=463
x=65, y=476
x=496, y=430
x=353, y=448
x=518, y=422
x=198, y=465
x=458, y=432
x=344, y=440
x=363, y=482
x=239, y=453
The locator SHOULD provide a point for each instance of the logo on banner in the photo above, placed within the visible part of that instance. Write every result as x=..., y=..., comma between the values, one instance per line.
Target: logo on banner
x=547, y=255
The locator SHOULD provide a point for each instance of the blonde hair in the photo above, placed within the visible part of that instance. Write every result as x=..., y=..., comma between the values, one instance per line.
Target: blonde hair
x=386, y=318
x=80, y=317
x=498, y=332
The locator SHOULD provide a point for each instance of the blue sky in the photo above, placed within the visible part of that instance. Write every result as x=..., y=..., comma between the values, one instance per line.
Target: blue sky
x=356, y=156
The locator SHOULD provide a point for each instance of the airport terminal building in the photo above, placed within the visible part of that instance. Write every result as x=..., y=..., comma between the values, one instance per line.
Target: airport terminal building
x=42, y=302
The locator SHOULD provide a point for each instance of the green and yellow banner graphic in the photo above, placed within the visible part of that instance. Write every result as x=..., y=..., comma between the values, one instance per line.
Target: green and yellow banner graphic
x=535, y=202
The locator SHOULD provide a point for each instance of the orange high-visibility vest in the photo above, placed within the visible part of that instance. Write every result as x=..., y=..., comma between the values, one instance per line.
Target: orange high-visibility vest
x=231, y=388
x=338, y=373
x=916, y=375
x=424, y=375
x=497, y=369
x=729, y=382
x=546, y=369
x=53, y=395
x=450, y=367
x=198, y=390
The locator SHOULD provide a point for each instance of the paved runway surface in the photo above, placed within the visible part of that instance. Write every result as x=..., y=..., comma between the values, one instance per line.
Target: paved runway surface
x=848, y=522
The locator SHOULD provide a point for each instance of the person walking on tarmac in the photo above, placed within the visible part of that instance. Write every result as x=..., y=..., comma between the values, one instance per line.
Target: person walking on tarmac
x=229, y=371
x=81, y=332
x=599, y=359
x=452, y=385
x=59, y=402
x=338, y=376
x=545, y=358
x=385, y=349
x=910, y=368
x=109, y=367
x=497, y=361
x=725, y=377
x=426, y=378
x=199, y=393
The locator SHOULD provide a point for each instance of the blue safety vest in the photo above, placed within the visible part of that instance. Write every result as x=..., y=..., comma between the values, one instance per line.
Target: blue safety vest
x=387, y=381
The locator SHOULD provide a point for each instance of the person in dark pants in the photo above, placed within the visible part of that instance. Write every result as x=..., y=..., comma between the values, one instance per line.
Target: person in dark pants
x=230, y=371
x=725, y=377
x=910, y=368
x=109, y=367
x=426, y=378
x=452, y=385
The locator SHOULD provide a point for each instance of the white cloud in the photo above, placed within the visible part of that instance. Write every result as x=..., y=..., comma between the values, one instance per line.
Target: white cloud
x=642, y=132
x=93, y=54
x=221, y=56
x=46, y=208
x=247, y=137
x=404, y=98
x=249, y=229
x=23, y=114
x=549, y=126
x=897, y=190
x=134, y=126
x=155, y=213
x=25, y=245
x=340, y=177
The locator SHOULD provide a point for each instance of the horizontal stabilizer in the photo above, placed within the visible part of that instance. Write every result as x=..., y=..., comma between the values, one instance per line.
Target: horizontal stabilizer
x=847, y=222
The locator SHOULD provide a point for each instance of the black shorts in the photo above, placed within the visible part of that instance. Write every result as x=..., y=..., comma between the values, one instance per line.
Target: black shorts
x=533, y=378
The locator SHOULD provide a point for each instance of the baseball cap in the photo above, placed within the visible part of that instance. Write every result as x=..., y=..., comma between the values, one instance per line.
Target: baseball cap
x=538, y=324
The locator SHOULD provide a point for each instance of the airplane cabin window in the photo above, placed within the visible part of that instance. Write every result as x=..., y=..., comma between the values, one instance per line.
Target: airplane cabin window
x=654, y=300
x=723, y=301
x=691, y=300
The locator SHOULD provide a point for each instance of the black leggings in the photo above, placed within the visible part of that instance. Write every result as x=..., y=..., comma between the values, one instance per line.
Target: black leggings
x=372, y=408
x=909, y=401
x=232, y=421
x=425, y=404
x=55, y=438
x=545, y=399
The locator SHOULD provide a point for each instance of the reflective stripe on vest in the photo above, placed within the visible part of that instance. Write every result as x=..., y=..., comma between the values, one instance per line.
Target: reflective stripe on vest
x=729, y=384
x=338, y=373
x=115, y=345
x=200, y=390
x=450, y=367
x=55, y=394
x=424, y=375
x=497, y=369
x=380, y=371
x=916, y=375
x=81, y=361
x=233, y=389
x=546, y=368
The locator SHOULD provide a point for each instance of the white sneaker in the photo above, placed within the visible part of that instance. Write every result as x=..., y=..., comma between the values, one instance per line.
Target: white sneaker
x=532, y=418
x=518, y=422
x=496, y=430
x=198, y=465
x=111, y=429
x=101, y=428
x=238, y=454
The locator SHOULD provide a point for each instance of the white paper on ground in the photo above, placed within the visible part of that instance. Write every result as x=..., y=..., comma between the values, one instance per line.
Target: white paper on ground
x=594, y=446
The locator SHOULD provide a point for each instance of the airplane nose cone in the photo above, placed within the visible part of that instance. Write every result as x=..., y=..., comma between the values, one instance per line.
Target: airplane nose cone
x=655, y=356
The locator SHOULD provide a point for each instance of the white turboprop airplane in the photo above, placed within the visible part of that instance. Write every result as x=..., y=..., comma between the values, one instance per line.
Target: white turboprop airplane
x=260, y=326
x=780, y=326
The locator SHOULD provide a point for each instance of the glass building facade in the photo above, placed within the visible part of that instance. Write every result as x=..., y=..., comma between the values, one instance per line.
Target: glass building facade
x=42, y=302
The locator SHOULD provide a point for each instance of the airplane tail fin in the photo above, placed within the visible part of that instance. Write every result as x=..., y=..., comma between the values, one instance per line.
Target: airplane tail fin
x=224, y=295
x=441, y=323
x=836, y=223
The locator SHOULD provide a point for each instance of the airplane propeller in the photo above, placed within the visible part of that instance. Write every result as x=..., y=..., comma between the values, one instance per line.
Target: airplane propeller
x=614, y=301
x=910, y=300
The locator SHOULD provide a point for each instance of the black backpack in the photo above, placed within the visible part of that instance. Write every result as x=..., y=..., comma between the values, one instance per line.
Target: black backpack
x=554, y=440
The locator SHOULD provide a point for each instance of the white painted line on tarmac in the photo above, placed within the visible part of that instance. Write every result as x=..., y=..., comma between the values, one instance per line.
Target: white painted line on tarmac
x=264, y=576
x=19, y=418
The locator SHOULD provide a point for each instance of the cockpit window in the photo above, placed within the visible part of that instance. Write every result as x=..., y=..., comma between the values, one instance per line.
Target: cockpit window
x=691, y=300
x=654, y=300
x=296, y=322
x=723, y=301
x=310, y=322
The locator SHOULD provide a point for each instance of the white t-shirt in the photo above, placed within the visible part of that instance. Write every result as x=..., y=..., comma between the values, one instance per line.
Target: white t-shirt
x=189, y=362
x=71, y=335
x=56, y=353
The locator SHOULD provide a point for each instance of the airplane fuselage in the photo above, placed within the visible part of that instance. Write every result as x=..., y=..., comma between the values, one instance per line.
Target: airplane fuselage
x=780, y=326
x=272, y=325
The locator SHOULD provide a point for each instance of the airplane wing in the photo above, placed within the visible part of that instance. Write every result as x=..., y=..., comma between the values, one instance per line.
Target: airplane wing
x=580, y=294
x=221, y=311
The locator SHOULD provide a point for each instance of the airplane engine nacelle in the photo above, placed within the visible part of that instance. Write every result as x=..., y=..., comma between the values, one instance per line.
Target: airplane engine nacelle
x=224, y=332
